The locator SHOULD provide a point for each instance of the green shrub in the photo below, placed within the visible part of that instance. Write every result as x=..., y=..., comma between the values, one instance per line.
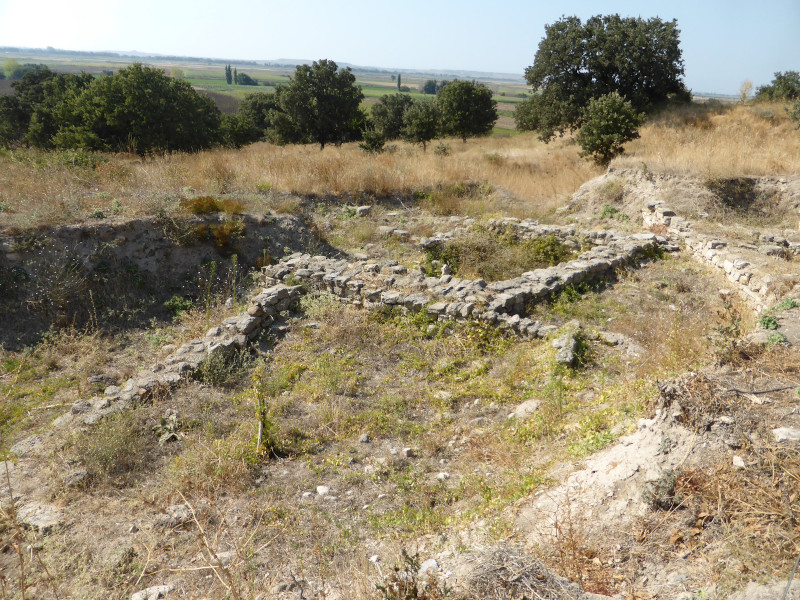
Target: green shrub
x=178, y=304
x=768, y=322
x=610, y=122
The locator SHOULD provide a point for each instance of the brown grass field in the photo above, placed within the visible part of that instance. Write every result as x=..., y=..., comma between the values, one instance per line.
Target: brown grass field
x=709, y=140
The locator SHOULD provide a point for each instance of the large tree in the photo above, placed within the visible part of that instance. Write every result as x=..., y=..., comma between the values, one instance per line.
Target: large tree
x=320, y=104
x=467, y=109
x=140, y=109
x=577, y=62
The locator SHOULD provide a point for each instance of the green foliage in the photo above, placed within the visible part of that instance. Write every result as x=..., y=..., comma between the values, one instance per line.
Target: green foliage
x=421, y=123
x=786, y=304
x=142, y=110
x=319, y=105
x=612, y=212
x=785, y=87
x=575, y=62
x=374, y=142
x=228, y=75
x=178, y=304
x=467, y=109
x=768, y=322
x=794, y=113
x=608, y=123
x=776, y=338
x=388, y=115
x=245, y=79
x=497, y=257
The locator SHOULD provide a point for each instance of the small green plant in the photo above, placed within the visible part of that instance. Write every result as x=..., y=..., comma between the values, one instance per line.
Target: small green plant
x=97, y=214
x=178, y=304
x=611, y=212
x=441, y=149
x=786, y=304
x=264, y=188
x=768, y=322
x=776, y=338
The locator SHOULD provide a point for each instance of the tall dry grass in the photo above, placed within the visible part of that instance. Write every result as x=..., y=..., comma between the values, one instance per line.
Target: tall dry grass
x=718, y=141
x=709, y=140
x=38, y=188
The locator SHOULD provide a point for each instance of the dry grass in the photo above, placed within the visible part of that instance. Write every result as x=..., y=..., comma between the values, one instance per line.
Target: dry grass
x=40, y=188
x=718, y=141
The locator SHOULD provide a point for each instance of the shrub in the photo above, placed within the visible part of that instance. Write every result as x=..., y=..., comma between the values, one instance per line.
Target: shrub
x=610, y=121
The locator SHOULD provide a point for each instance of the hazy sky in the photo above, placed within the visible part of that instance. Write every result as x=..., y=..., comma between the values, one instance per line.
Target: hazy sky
x=724, y=41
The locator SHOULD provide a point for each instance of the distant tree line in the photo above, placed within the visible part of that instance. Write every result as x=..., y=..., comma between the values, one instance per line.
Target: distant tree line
x=233, y=76
x=140, y=109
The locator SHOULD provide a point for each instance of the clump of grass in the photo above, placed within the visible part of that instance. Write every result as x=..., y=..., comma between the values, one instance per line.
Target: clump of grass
x=484, y=254
x=116, y=451
x=203, y=205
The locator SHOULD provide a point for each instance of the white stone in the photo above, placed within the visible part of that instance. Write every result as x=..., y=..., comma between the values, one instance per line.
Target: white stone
x=786, y=434
x=323, y=490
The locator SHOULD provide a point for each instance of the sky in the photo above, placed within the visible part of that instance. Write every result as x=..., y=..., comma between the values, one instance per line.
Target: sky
x=724, y=42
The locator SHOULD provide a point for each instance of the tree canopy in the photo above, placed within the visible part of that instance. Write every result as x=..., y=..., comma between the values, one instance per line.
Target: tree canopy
x=138, y=109
x=388, y=113
x=784, y=87
x=577, y=62
x=320, y=104
x=421, y=122
x=467, y=109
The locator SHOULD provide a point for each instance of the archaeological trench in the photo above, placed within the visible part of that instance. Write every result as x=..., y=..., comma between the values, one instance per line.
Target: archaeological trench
x=146, y=259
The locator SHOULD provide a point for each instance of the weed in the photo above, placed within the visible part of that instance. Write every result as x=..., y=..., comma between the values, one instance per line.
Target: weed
x=178, y=304
x=405, y=582
x=768, y=322
x=612, y=190
x=786, y=304
x=612, y=212
x=776, y=338
x=441, y=149
x=117, y=450
x=661, y=495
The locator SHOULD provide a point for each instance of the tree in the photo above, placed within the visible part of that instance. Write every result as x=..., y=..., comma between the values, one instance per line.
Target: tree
x=421, y=122
x=467, y=109
x=235, y=76
x=429, y=87
x=387, y=115
x=176, y=72
x=228, y=75
x=245, y=79
x=744, y=90
x=399, y=80
x=320, y=104
x=576, y=62
x=142, y=110
x=609, y=121
x=784, y=87
x=9, y=66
